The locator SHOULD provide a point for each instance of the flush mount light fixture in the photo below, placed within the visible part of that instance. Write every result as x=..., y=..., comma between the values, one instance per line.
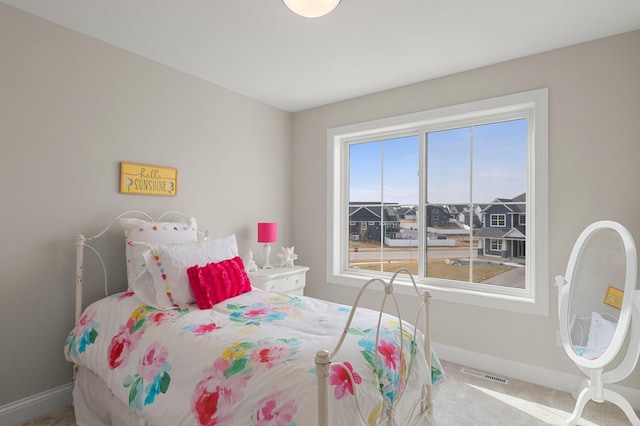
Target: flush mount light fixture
x=311, y=8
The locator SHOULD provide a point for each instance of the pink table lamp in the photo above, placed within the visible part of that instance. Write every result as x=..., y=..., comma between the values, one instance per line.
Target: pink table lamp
x=267, y=234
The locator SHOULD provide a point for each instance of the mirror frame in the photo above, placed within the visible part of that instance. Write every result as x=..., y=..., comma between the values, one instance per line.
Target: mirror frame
x=630, y=286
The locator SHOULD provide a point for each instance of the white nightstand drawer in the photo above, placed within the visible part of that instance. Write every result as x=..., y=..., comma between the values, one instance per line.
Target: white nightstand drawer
x=283, y=280
x=286, y=284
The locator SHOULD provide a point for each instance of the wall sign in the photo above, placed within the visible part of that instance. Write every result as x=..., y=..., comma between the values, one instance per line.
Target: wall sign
x=149, y=180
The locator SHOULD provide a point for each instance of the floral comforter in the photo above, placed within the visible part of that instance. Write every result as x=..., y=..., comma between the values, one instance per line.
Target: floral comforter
x=247, y=361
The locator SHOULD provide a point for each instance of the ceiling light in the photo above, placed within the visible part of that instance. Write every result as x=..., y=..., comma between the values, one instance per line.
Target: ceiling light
x=311, y=8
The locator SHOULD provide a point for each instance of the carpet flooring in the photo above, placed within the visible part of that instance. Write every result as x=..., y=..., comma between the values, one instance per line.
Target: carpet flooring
x=468, y=399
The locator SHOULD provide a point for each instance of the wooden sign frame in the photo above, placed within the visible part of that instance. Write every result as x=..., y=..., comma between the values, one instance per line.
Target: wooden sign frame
x=148, y=180
x=614, y=297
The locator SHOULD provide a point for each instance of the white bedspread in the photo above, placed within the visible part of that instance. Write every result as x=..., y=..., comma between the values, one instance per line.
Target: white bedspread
x=249, y=360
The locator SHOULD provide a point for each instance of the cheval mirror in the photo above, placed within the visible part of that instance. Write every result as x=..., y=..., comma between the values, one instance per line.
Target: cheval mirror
x=599, y=313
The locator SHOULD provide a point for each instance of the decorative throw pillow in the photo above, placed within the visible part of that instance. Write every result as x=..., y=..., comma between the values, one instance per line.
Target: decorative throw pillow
x=141, y=235
x=216, y=282
x=601, y=333
x=165, y=285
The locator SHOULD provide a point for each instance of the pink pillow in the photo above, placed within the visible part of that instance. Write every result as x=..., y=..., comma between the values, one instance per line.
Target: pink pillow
x=218, y=281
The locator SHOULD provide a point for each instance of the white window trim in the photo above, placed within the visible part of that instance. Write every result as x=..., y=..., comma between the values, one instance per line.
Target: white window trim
x=536, y=299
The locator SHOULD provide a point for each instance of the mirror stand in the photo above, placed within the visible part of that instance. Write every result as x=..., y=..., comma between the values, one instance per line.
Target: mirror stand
x=604, y=256
x=595, y=391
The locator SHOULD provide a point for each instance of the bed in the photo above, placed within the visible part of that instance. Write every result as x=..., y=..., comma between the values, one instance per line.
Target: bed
x=192, y=343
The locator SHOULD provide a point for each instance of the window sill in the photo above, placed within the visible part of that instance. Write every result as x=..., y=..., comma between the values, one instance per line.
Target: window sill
x=508, y=302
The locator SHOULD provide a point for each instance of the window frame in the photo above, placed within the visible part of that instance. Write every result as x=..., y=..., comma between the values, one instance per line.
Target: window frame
x=499, y=244
x=532, y=105
x=522, y=219
x=500, y=220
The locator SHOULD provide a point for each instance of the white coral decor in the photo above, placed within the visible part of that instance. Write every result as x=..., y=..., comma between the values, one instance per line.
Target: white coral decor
x=287, y=256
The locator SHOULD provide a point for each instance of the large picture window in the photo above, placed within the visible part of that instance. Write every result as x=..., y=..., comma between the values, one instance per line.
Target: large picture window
x=445, y=193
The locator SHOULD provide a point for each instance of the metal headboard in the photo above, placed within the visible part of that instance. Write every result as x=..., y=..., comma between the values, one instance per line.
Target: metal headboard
x=81, y=243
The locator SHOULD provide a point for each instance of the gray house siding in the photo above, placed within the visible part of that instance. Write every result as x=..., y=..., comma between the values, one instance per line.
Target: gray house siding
x=504, y=229
x=366, y=224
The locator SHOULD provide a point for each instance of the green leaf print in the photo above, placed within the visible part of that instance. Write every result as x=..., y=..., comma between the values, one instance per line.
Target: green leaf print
x=164, y=383
x=369, y=357
x=236, y=367
x=135, y=389
x=93, y=335
x=138, y=325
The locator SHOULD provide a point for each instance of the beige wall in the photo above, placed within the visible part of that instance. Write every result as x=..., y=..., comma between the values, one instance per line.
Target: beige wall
x=594, y=148
x=72, y=108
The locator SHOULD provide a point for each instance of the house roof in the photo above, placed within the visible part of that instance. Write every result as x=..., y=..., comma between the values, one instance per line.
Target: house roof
x=499, y=233
x=516, y=204
x=371, y=213
x=262, y=50
x=402, y=211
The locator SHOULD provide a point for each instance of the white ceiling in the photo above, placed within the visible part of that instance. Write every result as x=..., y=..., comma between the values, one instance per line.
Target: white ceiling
x=262, y=50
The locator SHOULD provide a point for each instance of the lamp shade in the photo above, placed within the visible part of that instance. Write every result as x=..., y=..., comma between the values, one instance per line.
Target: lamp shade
x=311, y=8
x=267, y=232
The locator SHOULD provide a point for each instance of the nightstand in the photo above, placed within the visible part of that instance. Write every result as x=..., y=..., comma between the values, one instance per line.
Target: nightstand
x=283, y=280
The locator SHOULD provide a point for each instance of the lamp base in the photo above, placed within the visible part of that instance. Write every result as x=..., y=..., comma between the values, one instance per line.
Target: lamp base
x=267, y=254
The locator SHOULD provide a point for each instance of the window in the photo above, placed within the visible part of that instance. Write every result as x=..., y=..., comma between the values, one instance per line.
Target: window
x=522, y=219
x=496, y=245
x=498, y=220
x=475, y=159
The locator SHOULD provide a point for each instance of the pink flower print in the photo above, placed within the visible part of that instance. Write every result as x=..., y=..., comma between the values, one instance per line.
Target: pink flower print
x=215, y=395
x=204, y=405
x=275, y=410
x=390, y=353
x=84, y=322
x=221, y=364
x=124, y=295
x=119, y=349
x=255, y=312
x=203, y=329
x=152, y=361
x=83, y=334
x=269, y=355
x=340, y=379
x=162, y=317
x=121, y=346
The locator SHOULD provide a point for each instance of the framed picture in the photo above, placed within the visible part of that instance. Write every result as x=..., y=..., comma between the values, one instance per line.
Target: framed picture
x=148, y=180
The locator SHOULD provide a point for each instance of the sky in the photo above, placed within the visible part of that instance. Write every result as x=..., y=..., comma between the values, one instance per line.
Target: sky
x=472, y=164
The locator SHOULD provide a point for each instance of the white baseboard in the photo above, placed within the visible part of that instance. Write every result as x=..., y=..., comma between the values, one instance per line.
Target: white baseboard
x=36, y=405
x=525, y=372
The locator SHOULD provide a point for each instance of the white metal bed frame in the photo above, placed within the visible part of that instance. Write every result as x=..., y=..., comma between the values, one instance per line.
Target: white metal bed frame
x=324, y=358
x=81, y=243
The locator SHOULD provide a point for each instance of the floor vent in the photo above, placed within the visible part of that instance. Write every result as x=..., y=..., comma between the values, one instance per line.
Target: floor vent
x=485, y=376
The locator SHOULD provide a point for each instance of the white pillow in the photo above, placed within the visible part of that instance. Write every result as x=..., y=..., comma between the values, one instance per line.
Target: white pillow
x=601, y=333
x=165, y=283
x=141, y=235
